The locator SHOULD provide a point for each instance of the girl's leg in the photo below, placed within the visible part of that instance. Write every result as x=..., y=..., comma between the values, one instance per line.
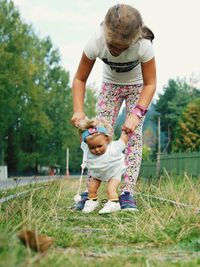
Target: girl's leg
x=109, y=102
x=133, y=151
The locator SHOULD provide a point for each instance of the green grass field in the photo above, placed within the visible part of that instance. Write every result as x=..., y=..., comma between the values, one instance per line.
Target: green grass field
x=158, y=235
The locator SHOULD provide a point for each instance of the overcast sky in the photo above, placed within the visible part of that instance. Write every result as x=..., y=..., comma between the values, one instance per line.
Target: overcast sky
x=70, y=23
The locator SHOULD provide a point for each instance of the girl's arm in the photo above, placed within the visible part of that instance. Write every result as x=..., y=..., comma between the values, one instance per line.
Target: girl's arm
x=78, y=87
x=148, y=90
x=149, y=79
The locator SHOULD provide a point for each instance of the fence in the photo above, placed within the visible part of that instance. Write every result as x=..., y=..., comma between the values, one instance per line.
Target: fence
x=176, y=163
x=148, y=169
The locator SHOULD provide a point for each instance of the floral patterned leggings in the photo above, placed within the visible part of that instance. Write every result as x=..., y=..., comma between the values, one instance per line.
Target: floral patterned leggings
x=110, y=100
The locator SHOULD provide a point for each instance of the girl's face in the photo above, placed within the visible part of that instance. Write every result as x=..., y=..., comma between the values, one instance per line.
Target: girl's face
x=97, y=144
x=116, y=49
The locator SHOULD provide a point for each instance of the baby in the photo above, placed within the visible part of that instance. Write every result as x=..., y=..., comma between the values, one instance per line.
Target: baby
x=104, y=160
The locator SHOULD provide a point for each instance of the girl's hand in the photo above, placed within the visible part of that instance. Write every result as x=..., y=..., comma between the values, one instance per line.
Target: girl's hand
x=131, y=123
x=77, y=117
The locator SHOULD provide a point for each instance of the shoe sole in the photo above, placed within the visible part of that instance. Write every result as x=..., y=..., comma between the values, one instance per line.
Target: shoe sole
x=130, y=209
x=85, y=211
x=109, y=212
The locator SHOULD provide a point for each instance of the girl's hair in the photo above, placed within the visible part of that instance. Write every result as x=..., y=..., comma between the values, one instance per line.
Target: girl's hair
x=94, y=122
x=123, y=24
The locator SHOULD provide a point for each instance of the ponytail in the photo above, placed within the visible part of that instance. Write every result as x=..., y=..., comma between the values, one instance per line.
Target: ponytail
x=147, y=33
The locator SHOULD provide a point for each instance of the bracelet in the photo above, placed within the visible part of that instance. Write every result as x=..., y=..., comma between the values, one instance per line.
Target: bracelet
x=141, y=108
x=137, y=112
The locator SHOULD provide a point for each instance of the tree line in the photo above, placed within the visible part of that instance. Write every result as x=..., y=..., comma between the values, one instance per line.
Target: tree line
x=178, y=107
x=35, y=98
x=179, y=110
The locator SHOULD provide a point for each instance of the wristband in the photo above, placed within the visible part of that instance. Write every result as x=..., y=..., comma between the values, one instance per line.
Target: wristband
x=137, y=112
x=141, y=108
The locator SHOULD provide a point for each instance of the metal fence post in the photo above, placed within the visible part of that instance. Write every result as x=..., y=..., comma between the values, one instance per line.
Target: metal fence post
x=159, y=149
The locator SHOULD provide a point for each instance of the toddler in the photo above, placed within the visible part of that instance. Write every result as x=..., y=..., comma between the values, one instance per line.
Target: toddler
x=104, y=160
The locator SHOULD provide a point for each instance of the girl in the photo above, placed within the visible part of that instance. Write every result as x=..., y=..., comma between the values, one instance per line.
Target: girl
x=124, y=45
x=104, y=160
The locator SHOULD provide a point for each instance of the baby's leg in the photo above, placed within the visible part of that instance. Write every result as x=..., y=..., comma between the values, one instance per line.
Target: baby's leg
x=112, y=187
x=113, y=200
x=92, y=203
x=93, y=188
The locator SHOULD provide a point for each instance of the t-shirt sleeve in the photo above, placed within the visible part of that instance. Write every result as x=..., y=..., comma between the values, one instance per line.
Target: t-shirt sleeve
x=118, y=146
x=146, y=51
x=90, y=48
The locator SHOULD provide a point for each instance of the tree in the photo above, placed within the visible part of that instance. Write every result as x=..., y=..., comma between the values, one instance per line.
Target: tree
x=90, y=102
x=36, y=102
x=171, y=104
x=149, y=137
x=90, y=111
x=187, y=136
x=146, y=152
x=17, y=63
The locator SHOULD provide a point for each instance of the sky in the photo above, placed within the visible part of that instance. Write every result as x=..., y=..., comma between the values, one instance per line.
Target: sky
x=70, y=24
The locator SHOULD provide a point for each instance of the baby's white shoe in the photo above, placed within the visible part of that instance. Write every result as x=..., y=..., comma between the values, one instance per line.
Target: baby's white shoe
x=109, y=207
x=90, y=205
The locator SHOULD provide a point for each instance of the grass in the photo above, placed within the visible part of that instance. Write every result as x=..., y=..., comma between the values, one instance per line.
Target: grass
x=159, y=235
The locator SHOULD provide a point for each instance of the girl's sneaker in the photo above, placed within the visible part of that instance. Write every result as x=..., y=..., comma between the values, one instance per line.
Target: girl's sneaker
x=109, y=207
x=127, y=202
x=90, y=205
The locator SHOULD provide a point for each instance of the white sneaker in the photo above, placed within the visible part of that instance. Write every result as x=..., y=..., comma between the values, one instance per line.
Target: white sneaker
x=110, y=206
x=90, y=206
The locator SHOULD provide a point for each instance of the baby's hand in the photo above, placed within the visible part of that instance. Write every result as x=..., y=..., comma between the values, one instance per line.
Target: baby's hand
x=131, y=123
x=77, y=117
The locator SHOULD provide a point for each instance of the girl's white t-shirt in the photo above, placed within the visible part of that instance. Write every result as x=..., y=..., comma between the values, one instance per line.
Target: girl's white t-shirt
x=108, y=165
x=124, y=69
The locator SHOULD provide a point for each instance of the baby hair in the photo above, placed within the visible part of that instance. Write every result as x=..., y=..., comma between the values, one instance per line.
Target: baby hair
x=94, y=122
x=123, y=24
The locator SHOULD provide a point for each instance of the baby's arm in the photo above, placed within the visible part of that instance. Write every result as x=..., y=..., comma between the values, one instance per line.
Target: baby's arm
x=124, y=137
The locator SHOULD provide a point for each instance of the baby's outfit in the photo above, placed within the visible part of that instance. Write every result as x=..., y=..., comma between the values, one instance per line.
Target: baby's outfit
x=108, y=165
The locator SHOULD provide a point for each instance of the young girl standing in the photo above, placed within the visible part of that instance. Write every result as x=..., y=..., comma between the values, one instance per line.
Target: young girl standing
x=124, y=45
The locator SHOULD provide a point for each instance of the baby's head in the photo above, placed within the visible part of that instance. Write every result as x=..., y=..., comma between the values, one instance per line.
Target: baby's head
x=97, y=133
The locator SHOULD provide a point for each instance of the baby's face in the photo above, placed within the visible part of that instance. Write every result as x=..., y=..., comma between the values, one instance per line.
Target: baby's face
x=97, y=144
